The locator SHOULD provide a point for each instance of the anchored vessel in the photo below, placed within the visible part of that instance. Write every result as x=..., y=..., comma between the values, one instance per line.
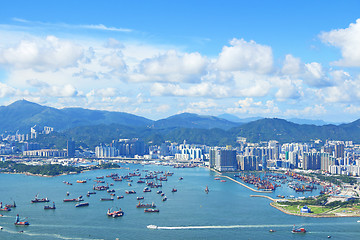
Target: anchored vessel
x=20, y=223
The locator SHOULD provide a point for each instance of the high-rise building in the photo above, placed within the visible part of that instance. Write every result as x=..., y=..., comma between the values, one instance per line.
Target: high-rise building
x=70, y=149
x=225, y=160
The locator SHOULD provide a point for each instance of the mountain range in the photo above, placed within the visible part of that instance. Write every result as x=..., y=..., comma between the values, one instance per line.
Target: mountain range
x=94, y=126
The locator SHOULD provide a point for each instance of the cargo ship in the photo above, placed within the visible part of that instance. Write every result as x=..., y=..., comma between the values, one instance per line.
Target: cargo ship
x=82, y=204
x=50, y=207
x=147, y=205
x=37, y=200
x=114, y=214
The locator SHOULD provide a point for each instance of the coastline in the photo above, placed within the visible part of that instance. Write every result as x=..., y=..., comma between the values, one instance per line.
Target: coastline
x=320, y=215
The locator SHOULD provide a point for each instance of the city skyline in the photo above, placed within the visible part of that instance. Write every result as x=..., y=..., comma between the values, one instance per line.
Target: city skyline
x=156, y=59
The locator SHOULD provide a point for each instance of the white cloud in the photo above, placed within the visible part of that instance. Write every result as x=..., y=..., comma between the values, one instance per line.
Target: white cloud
x=249, y=106
x=173, y=67
x=291, y=66
x=243, y=55
x=310, y=111
x=347, y=40
x=42, y=54
x=59, y=91
x=6, y=91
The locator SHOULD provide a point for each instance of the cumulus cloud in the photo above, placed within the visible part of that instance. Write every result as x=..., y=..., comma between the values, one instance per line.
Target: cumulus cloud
x=291, y=65
x=249, y=106
x=60, y=91
x=348, y=41
x=42, y=54
x=37, y=83
x=114, y=60
x=195, y=90
x=243, y=55
x=310, y=111
x=6, y=91
x=173, y=67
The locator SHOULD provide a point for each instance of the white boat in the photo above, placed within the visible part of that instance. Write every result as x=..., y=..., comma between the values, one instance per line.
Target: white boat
x=152, y=227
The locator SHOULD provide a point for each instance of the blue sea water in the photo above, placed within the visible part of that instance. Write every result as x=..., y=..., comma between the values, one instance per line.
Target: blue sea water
x=226, y=212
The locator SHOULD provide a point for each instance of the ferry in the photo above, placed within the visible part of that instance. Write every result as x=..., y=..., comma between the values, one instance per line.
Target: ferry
x=82, y=204
x=148, y=205
x=50, y=207
x=115, y=213
x=20, y=223
x=37, y=200
x=150, y=210
x=298, y=230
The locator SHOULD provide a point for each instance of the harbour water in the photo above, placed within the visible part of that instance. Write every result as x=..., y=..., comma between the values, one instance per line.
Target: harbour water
x=226, y=212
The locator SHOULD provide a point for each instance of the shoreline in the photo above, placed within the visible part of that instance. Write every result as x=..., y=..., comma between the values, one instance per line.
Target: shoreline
x=319, y=215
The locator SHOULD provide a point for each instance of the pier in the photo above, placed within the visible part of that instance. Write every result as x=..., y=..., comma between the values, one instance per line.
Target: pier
x=254, y=190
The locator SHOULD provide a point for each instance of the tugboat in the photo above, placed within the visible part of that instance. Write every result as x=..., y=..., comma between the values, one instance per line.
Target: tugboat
x=207, y=189
x=50, y=207
x=298, y=230
x=20, y=223
x=37, y=200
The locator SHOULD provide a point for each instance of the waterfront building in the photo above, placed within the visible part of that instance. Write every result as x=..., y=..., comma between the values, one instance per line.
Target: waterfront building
x=45, y=153
x=225, y=160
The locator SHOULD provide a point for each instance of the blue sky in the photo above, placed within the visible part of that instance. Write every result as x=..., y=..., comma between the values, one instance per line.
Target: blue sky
x=287, y=59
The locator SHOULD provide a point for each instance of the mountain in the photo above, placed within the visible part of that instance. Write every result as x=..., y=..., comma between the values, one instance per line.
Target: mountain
x=21, y=115
x=191, y=120
x=233, y=118
x=307, y=121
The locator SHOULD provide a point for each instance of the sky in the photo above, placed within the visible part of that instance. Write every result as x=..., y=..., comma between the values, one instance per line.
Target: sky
x=284, y=59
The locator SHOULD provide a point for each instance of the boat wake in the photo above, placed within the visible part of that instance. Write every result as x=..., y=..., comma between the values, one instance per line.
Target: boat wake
x=154, y=227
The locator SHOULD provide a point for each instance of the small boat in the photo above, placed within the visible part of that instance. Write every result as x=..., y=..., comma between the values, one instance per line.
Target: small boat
x=20, y=223
x=37, y=200
x=91, y=193
x=102, y=177
x=174, y=190
x=164, y=199
x=181, y=178
x=207, y=189
x=50, y=207
x=150, y=210
x=139, y=198
x=106, y=199
x=67, y=194
x=162, y=194
x=152, y=226
x=222, y=180
x=129, y=184
x=81, y=181
x=272, y=230
x=119, y=197
x=217, y=178
x=298, y=230
x=159, y=192
x=82, y=204
x=111, y=191
x=147, y=189
x=140, y=181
